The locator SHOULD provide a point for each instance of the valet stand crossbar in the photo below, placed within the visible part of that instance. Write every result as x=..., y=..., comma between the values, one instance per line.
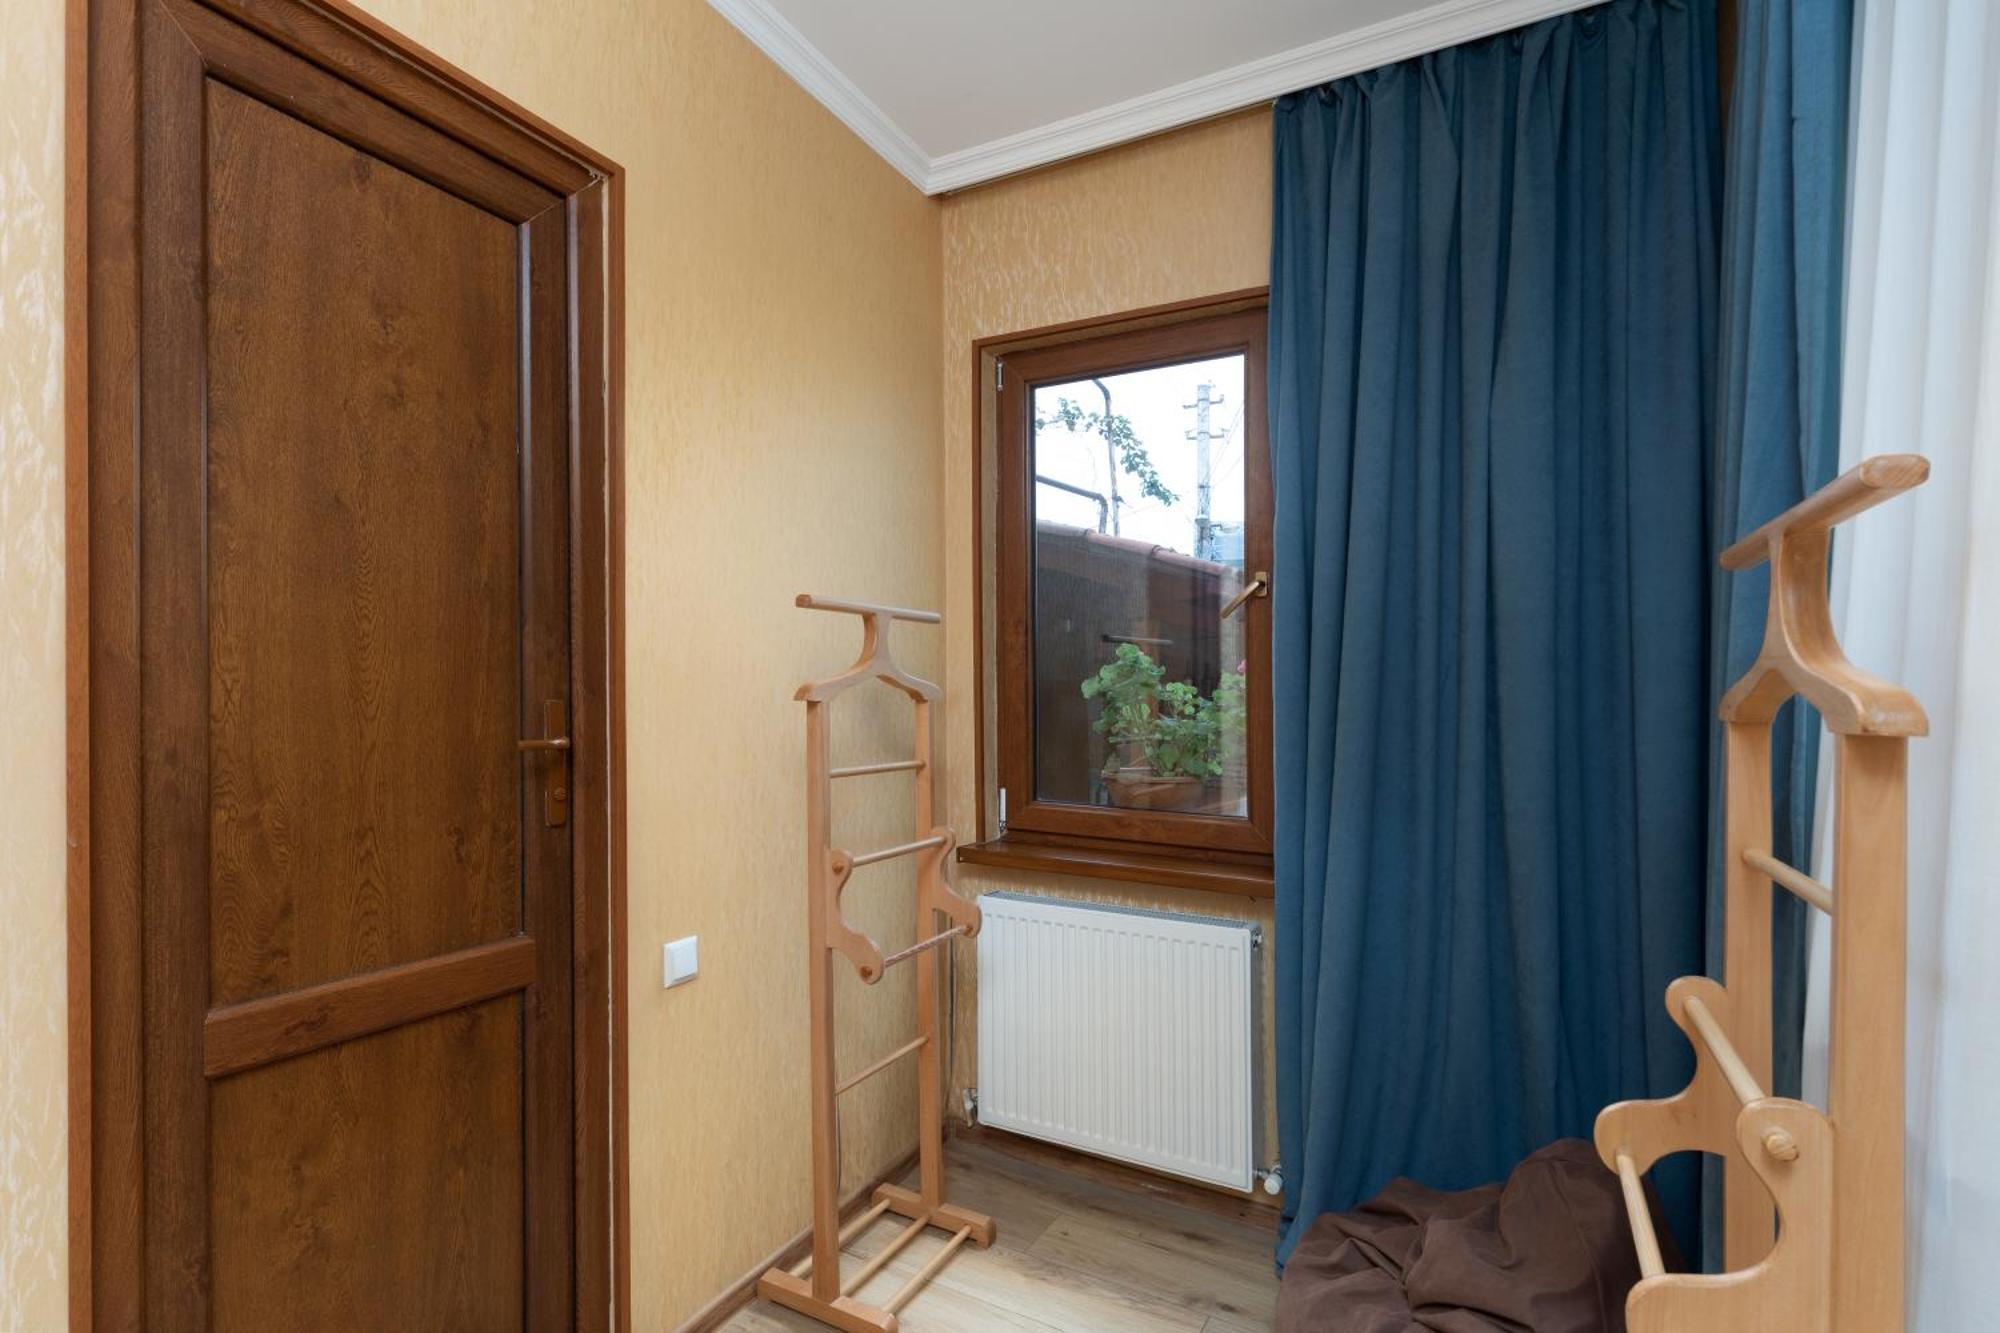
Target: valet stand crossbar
x=815, y=1286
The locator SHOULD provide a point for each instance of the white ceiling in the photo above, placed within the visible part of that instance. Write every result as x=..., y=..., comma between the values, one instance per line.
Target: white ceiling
x=953, y=93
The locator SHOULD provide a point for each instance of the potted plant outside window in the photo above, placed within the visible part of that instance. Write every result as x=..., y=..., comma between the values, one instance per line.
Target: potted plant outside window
x=1167, y=742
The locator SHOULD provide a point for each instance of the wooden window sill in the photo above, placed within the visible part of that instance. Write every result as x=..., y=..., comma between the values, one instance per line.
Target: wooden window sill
x=1248, y=876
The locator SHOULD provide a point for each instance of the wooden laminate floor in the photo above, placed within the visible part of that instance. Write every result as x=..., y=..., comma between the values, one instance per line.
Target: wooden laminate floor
x=1074, y=1254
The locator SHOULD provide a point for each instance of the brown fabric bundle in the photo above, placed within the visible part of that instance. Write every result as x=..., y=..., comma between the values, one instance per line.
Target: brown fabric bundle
x=1549, y=1251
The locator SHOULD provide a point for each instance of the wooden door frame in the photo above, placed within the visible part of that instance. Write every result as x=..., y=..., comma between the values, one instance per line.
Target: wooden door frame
x=102, y=297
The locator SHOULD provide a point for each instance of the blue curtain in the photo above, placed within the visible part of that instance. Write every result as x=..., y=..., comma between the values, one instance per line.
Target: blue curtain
x=1778, y=438
x=1493, y=332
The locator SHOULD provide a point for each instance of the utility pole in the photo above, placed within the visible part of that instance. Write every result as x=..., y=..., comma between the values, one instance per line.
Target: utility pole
x=1110, y=453
x=1205, y=398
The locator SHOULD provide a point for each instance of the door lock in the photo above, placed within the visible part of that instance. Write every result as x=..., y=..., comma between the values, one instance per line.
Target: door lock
x=555, y=780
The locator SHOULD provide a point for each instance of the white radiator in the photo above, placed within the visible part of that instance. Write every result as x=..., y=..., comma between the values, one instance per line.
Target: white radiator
x=1124, y=1033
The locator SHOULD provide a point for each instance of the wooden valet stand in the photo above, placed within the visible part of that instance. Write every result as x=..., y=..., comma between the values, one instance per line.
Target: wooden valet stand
x=815, y=1286
x=1812, y=1200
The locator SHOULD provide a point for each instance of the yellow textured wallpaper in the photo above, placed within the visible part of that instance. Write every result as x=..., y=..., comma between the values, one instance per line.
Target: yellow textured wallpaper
x=1181, y=216
x=33, y=1051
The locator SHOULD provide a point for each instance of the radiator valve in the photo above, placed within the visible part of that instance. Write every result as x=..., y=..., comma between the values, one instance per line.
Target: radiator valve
x=1274, y=1179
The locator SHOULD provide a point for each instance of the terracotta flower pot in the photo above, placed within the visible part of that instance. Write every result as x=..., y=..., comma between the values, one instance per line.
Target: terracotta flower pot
x=1139, y=788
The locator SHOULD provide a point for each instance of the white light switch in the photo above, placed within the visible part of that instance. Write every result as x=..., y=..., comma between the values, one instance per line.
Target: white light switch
x=681, y=960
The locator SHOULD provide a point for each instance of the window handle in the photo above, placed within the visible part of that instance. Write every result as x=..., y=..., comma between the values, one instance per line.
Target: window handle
x=1259, y=586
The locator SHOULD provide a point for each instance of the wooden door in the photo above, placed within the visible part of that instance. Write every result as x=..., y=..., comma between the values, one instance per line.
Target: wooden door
x=356, y=397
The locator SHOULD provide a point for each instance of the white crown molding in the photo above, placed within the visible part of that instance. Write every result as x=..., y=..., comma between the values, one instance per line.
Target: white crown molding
x=1446, y=23
x=788, y=48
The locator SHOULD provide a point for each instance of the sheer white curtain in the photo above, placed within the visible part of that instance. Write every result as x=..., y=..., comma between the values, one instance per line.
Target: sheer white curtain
x=1917, y=593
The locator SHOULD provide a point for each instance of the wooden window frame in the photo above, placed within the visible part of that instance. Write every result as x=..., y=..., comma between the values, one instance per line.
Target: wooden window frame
x=1229, y=853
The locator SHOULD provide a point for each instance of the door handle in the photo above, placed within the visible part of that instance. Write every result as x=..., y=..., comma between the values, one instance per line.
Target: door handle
x=1259, y=586
x=555, y=777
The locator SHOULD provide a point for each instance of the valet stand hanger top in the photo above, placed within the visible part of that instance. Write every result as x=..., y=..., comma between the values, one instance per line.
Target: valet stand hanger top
x=875, y=661
x=1801, y=654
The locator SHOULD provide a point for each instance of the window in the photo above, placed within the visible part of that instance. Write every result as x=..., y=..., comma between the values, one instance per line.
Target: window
x=1133, y=545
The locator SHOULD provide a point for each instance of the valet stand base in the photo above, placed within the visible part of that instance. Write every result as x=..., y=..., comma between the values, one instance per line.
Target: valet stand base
x=794, y=1288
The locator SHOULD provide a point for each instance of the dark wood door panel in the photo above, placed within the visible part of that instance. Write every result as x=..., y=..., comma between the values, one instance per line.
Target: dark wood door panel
x=363, y=587
x=355, y=606
x=397, y=1210
x=344, y=517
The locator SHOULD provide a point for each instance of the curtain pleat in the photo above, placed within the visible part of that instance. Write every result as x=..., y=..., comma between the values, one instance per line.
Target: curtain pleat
x=1493, y=328
x=1778, y=436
